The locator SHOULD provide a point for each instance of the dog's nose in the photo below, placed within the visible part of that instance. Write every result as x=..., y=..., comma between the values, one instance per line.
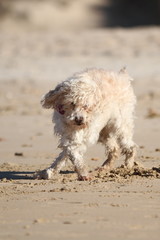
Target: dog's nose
x=79, y=120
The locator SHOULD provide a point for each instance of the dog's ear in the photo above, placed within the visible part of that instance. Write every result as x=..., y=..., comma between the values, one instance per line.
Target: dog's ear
x=49, y=99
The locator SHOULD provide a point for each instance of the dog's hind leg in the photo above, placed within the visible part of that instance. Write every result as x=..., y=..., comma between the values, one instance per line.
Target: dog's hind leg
x=130, y=153
x=128, y=147
x=111, y=153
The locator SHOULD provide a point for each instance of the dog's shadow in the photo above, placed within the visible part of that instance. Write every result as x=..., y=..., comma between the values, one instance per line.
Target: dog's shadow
x=16, y=175
x=24, y=175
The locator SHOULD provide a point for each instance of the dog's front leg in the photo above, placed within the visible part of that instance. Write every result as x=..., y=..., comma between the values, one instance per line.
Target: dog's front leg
x=55, y=167
x=75, y=154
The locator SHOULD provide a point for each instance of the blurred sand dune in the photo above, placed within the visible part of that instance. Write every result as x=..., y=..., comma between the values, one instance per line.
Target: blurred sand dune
x=78, y=14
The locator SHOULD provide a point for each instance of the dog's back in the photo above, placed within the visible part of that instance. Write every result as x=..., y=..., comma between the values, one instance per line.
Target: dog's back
x=112, y=85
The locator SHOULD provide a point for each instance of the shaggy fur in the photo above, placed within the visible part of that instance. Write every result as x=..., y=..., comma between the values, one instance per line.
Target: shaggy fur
x=92, y=106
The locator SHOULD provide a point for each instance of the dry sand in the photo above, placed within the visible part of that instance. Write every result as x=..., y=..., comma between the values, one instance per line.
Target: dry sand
x=118, y=205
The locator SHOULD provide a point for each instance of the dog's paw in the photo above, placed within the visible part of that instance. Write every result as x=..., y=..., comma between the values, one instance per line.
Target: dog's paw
x=134, y=164
x=84, y=178
x=44, y=174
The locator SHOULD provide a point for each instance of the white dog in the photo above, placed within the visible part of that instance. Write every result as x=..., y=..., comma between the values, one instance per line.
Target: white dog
x=92, y=106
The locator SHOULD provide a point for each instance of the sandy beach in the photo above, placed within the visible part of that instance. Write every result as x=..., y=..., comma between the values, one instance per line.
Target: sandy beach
x=117, y=205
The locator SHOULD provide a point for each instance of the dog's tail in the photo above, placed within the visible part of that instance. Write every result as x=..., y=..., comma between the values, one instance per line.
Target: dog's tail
x=124, y=72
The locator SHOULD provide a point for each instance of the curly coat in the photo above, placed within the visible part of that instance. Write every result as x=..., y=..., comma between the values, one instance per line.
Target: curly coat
x=92, y=106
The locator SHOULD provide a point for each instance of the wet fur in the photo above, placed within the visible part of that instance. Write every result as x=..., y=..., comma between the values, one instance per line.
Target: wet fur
x=92, y=106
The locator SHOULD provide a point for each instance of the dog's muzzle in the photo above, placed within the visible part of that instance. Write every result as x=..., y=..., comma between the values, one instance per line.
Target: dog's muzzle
x=79, y=121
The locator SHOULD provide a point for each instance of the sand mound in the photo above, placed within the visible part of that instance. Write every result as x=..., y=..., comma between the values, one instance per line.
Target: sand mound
x=122, y=173
x=15, y=172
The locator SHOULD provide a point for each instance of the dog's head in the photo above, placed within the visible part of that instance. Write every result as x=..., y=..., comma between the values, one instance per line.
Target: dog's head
x=74, y=101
